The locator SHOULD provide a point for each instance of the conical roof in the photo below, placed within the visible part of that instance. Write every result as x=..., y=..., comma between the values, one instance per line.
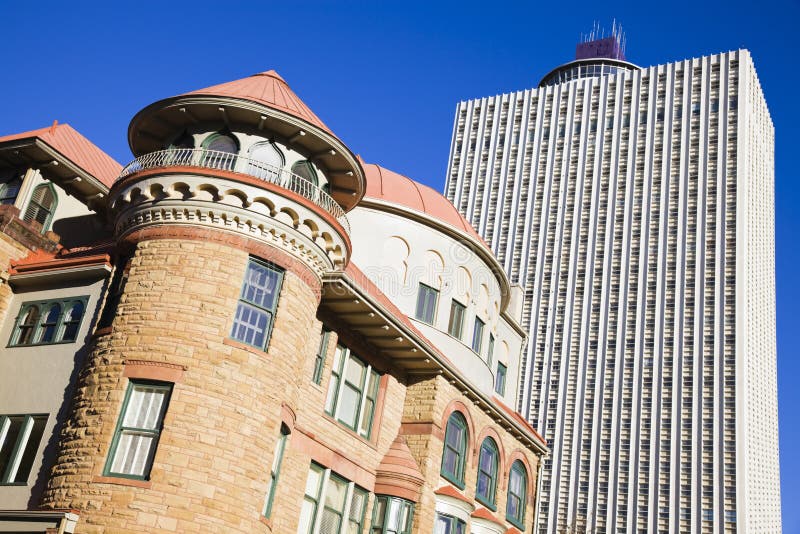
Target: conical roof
x=269, y=89
x=398, y=473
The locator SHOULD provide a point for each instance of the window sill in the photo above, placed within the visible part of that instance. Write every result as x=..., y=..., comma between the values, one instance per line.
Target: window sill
x=490, y=506
x=457, y=483
x=244, y=346
x=102, y=331
x=122, y=481
x=266, y=521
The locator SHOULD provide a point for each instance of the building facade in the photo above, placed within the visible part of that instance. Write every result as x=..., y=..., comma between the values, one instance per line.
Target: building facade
x=249, y=329
x=635, y=207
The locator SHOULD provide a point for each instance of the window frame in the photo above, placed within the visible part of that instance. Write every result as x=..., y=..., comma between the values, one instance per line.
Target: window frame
x=500, y=379
x=457, y=419
x=51, y=211
x=455, y=525
x=20, y=446
x=333, y=399
x=478, y=328
x=419, y=313
x=11, y=182
x=517, y=521
x=456, y=305
x=244, y=302
x=384, y=527
x=306, y=164
x=275, y=470
x=490, y=350
x=38, y=327
x=322, y=354
x=490, y=500
x=318, y=500
x=156, y=432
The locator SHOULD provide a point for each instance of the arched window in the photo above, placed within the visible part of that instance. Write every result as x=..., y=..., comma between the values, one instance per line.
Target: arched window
x=221, y=151
x=72, y=321
x=183, y=141
x=517, y=490
x=487, y=473
x=455, y=449
x=266, y=160
x=27, y=326
x=47, y=333
x=305, y=170
x=42, y=205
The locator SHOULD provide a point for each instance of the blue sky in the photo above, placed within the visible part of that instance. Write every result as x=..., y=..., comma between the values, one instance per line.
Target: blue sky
x=386, y=78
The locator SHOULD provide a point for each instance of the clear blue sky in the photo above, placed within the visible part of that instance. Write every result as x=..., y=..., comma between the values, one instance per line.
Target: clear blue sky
x=386, y=78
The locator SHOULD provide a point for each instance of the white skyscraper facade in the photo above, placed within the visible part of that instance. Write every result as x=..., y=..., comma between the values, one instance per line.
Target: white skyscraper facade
x=635, y=206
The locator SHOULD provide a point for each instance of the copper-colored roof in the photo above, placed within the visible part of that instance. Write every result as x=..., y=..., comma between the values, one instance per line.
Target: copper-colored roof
x=450, y=491
x=389, y=186
x=269, y=89
x=398, y=473
x=72, y=145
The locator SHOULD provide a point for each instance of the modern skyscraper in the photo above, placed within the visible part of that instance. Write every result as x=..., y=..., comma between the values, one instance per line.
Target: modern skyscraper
x=636, y=208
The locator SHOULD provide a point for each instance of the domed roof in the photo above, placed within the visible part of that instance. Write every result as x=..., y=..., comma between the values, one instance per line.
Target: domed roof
x=394, y=188
x=269, y=89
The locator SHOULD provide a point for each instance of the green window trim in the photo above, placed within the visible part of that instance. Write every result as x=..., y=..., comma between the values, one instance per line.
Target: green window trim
x=455, y=326
x=322, y=351
x=20, y=439
x=42, y=206
x=427, y=299
x=477, y=335
x=490, y=351
x=275, y=471
x=48, y=322
x=352, y=399
x=392, y=515
x=515, y=500
x=448, y=524
x=150, y=429
x=500, y=379
x=486, y=483
x=331, y=496
x=258, y=303
x=454, y=453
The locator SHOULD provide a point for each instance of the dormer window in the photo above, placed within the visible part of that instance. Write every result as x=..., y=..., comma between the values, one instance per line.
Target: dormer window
x=221, y=151
x=42, y=206
x=265, y=160
x=9, y=188
x=306, y=171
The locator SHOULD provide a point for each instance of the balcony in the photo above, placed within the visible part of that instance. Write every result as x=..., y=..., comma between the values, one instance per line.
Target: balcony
x=225, y=161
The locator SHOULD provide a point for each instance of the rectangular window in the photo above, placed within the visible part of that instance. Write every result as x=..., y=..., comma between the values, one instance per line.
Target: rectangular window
x=275, y=471
x=426, y=303
x=477, y=335
x=456, y=324
x=392, y=515
x=138, y=429
x=500, y=379
x=47, y=322
x=319, y=364
x=257, y=304
x=20, y=436
x=332, y=504
x=352, y=392
x=447, y=524
x=490, y=351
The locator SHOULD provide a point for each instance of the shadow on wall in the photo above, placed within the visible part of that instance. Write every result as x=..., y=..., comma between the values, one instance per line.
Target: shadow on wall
x=51, y=448
x=79, y=231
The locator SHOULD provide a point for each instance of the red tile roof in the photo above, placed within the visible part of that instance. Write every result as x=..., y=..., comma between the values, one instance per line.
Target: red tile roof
x=450, y=491
x=72, y=145
x=269, y=89
x=483, y=513
x=389, y=186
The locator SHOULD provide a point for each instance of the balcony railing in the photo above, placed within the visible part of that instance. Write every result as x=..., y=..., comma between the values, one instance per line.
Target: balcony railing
x=213, y=159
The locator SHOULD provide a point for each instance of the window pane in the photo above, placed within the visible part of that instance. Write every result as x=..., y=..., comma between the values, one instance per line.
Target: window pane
x=250, y=325
x=222, y=143
x=307, y=512
x=133, y=453
x=72, y=321
x=330, y=522
x=144, y=407
x=12, y=426
x=49, y=324
x=335, y=493
x=348, y=405
x=477, y=335
x=29, y=452
x=260, y=285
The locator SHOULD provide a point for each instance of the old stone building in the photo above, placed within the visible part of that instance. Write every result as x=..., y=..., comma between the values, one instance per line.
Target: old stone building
x=250, y=329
